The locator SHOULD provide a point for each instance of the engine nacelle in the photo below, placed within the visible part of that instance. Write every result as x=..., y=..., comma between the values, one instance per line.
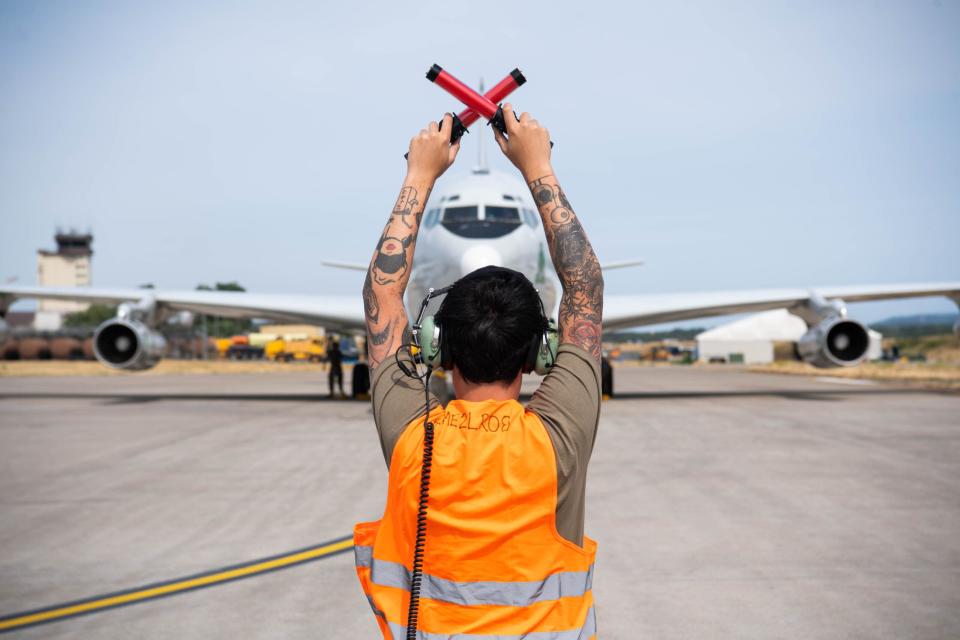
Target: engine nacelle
x=128, y=344
x=835, y=342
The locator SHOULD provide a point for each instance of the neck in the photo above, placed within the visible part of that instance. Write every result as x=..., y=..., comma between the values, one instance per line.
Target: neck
x=481, y=391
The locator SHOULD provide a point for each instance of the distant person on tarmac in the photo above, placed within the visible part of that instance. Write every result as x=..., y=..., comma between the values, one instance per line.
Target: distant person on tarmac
x=499, y=532
x=335, y=358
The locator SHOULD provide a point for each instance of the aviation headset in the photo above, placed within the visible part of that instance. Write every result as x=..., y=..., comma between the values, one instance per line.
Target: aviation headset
x=429, y=337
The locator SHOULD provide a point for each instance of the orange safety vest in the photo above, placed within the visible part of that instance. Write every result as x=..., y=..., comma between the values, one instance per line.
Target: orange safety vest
x=494, y=564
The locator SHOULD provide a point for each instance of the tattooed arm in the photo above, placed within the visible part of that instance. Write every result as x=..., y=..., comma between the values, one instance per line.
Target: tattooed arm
x=581, y=307
x=430, y=155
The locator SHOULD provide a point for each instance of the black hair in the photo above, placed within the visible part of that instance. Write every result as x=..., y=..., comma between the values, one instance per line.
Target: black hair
x=489, y=320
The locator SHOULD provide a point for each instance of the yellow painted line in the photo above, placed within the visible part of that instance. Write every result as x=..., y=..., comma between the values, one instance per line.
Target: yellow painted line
x=16, y=621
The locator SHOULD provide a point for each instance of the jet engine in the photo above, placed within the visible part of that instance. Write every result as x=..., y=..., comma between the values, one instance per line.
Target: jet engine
x=834, y=342
x=128, y=344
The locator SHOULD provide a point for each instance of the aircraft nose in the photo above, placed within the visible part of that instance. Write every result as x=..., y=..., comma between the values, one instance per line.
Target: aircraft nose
x=477, y=257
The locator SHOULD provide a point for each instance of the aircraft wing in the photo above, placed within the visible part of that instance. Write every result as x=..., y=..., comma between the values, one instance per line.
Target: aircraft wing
x=623, y=312
x=334, y=312
x=346, y=312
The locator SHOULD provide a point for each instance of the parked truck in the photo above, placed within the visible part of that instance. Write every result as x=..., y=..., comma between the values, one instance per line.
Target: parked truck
x=280, y=347
x=308, y=350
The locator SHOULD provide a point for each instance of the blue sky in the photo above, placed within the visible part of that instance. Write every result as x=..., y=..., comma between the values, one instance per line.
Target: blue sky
x=730, y=145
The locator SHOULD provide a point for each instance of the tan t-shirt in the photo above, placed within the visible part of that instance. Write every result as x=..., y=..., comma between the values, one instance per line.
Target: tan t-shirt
x=567, y=402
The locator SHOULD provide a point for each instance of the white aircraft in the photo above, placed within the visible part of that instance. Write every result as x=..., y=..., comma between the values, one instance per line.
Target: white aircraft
x=476, y=220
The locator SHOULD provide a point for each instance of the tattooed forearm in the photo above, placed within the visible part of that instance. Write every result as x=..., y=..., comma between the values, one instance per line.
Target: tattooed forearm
x=408, y=207
x=551, y=197
x=371, y=306
x=389, y=273
x=581, y=307
x=390, y=259
x=377, y=338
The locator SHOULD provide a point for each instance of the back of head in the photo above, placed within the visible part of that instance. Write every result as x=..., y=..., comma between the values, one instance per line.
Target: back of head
x=489, y=320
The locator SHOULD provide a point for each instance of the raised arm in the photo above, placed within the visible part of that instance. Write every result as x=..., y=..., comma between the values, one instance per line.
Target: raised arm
x=581, y=306
x=430, y=155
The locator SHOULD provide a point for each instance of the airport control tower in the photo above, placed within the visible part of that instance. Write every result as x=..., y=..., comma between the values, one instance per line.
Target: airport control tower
x=68, y=266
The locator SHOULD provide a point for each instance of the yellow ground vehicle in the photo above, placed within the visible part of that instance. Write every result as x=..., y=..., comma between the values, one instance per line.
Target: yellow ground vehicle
x=309, y=350
x=272, y=348
x=237, y=348
x=222, y=345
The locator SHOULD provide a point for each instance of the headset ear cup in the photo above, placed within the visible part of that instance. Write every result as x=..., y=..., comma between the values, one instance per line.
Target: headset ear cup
x=430, y=342
x=445, y=356
x=530, y=364
x=546, y=354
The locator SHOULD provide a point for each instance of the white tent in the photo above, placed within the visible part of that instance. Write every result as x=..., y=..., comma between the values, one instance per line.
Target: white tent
x=750, y=340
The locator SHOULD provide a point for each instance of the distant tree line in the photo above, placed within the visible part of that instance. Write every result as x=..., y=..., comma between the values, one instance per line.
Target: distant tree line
x=916, y=326
x=92, y=317
x=220, y=327
x=913, y=331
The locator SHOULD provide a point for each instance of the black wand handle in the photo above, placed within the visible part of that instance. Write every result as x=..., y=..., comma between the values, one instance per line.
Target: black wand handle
x=500, y=125
x=457, y=131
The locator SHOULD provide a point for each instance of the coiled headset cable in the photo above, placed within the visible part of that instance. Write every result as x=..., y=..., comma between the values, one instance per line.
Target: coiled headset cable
x=416, y=575
x=411, y=369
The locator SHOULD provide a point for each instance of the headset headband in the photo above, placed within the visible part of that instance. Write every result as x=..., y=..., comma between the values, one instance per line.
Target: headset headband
x=428, y=338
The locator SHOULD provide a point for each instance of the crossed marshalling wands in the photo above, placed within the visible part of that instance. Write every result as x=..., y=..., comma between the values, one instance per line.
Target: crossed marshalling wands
x=486, y=105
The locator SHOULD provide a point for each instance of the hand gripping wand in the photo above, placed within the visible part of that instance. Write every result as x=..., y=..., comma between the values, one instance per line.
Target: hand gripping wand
x=496, y=94
x=463, y=120
x=479, y=104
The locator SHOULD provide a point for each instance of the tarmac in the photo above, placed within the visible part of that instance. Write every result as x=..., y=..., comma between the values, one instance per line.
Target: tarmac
x=726, y=504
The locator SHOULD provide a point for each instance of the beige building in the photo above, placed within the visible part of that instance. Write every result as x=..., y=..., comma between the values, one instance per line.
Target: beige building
x=68, y=266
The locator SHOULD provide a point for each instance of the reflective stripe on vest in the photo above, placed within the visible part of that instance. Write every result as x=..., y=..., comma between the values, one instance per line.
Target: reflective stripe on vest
x=588, y=631
x=564, y=584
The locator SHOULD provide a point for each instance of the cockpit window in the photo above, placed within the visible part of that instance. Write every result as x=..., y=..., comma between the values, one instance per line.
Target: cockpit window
x=501, y=214
x=530, y=218
x=433, y=216
x=459, y=214
x=465, y=221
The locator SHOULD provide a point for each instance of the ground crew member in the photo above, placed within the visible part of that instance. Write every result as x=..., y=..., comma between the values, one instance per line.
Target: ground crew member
x=335, y=358
x=504, y=553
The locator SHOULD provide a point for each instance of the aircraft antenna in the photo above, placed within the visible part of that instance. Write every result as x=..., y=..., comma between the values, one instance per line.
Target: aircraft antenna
x=481, y=148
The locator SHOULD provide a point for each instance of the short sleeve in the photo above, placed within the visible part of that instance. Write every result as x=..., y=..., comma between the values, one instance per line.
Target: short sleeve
x=397, y=401
x=568, y=404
